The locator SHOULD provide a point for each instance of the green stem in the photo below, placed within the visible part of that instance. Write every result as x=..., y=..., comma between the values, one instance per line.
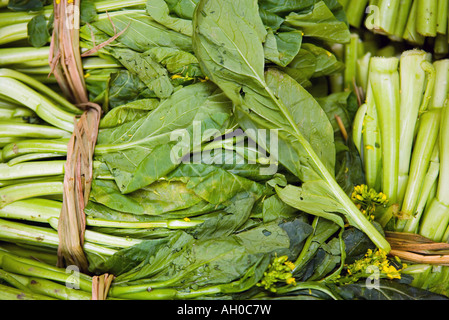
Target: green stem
x=43, y=107
x=426, y=19
x=22, y=233
x=14, y=32
x=24, y=147
x=30, y=130
x=410, y=33
x=371, y=152
x=388, y=15
x=22, y=191
x=56, y=290
x=401, y=19
x=70, y=111
x=425, y=142
x=31, y=169
x=351, y=56
x=101, y=239
x=430, y=180
x=34, y=156
x=10, y=56
x=355, y=12
x=384, y=79
x=413, y=84
x=357, y=131
x=9, y=293
x=442, y=16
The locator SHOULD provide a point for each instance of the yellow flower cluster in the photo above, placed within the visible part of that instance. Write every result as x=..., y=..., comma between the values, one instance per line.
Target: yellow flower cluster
x=279, y=270
x=375, y=263
x=367, y=200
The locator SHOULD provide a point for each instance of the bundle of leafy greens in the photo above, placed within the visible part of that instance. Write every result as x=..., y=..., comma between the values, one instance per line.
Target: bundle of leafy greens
x=223, y=168
x=417, y=22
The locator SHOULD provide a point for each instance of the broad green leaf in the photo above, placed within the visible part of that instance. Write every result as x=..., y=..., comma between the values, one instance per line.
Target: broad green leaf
x=27, y=5
x=312, y=197
x=159, y=11
x=38, y=34
x=319, y=23
x=149, y=71
x=281, y=48
x=177, y=61
x=142, y=32
x=207, y=182
x=142, y=151
x=125, y=87
x=182, y=8
x=128, y=112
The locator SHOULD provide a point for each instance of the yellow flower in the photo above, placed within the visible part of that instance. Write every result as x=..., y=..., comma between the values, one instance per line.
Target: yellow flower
x=291, y=280
x=290, y=264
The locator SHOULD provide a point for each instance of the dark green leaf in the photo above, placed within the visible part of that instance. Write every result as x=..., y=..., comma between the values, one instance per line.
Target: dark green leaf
x=38, y=34
x=88, y=11
x=27, y=5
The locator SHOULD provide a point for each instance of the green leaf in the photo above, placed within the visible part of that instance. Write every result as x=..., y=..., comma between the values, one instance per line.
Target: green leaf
x=149, y=71
x=207, y=181
x=27, y=5
x=176, y=61
x=125, y=87
x=88, y=11
x=313, y=197
x=281, y=48
x=142, y=151
x=143, y=32
x=160, y=11
x=182, y=8
x=319, y=23
x=38, y=34
x=128, y=112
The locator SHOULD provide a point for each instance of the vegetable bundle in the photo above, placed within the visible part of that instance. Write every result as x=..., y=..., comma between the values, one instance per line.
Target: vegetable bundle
x=417, y=22
x=221, y=163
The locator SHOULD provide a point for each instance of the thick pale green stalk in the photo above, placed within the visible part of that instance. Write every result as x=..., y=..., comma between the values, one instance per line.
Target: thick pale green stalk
x=22, y=191
x=424, y=145
x=413, y=85
x=431, y=179
x=19, y=148
x=426, y=19
x=401, y=19
x=47, y=237
x=363, y=71
x=442, y=16
x=11, y=56
x=34, y=156
x=102, y=239
x=13, y=33
x=27, y=130
x=355, y=12
x=388, y=15
x=357, y=127
x=351, y=56
x=410, y=33
x=436, y=218
x=31, y=169
x=69, y=110
x=372, y=144
x=384, y=80
x=441, y=47
x=43, y=107
x=10, y=293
